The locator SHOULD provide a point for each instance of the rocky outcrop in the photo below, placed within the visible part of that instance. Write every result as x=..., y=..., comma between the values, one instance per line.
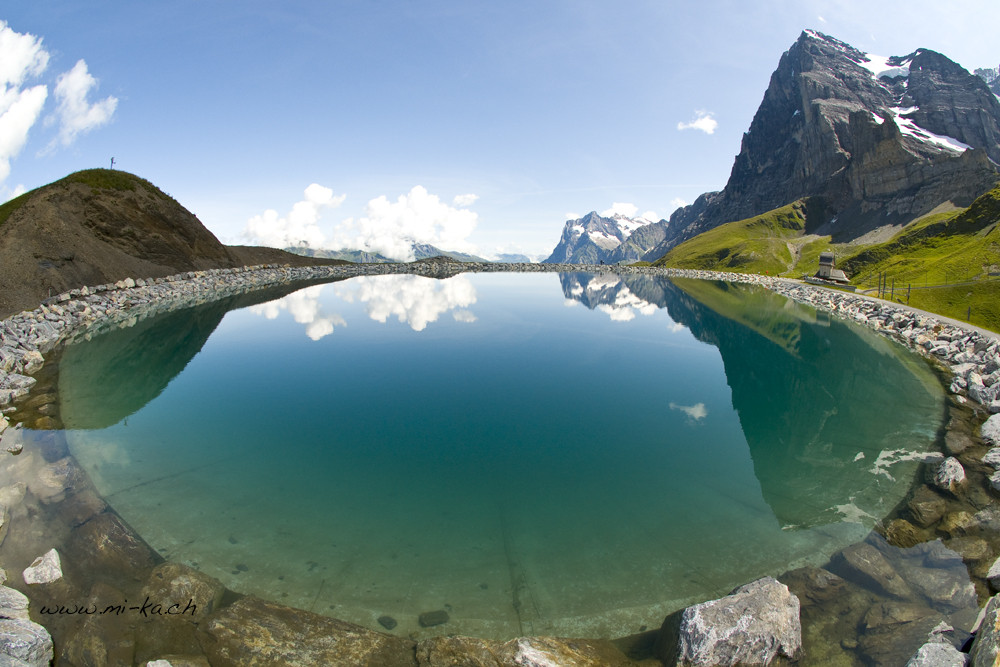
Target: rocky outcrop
x=883, y=141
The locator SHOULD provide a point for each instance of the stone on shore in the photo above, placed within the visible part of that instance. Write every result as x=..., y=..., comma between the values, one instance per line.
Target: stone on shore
x=936, y=654
x=949, y=476
x=990, y=431
x=752, y=626
x=986, y=647
x=45, y=569
x=926, y=507
x=24, y=644
x=13, y=604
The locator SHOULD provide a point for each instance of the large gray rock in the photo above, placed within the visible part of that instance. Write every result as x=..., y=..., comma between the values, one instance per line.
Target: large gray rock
x=13, y=604
x=991, y=431
x=933, y=654
x=752, y=626
x=24, y=644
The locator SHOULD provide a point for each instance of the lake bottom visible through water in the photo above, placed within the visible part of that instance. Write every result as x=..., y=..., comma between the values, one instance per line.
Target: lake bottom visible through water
x=574, y=455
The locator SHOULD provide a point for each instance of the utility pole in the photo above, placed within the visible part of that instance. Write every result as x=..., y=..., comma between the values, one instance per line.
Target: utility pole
x=112, y=163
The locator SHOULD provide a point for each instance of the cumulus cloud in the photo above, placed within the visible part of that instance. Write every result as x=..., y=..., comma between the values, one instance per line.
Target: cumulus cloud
x=23, y=58
x=76, y=115
x=621, y=208
x=304, y=307
x=413, y=300
x=677, y=203
x=652, y=216
x=573, y=216
x=297, y=229
x=703, y=120
x=695, y=412
x=462, y=201
x=391, y=228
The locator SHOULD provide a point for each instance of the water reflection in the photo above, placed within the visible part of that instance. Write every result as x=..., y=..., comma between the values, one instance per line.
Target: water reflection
x=607, y=293
x=809, y=394
x=305, y=308
x=412, y=300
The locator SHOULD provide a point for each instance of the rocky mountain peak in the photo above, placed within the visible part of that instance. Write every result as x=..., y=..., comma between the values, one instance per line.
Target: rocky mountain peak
x=883, y=140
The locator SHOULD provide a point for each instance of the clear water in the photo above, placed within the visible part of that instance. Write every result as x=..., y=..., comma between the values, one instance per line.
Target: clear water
x=561, y=454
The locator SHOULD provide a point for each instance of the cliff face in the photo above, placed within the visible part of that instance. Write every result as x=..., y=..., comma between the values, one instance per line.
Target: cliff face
x=595, y=239
x=883, y=140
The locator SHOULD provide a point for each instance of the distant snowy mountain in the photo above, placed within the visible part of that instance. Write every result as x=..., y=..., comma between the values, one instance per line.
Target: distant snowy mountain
x=595, y=239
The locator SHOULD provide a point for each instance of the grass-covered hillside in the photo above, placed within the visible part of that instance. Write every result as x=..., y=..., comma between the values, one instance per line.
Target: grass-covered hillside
x=775, y=242
x=947, y=263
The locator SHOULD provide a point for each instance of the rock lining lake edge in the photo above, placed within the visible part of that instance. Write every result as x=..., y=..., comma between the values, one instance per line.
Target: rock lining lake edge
x=970, y=356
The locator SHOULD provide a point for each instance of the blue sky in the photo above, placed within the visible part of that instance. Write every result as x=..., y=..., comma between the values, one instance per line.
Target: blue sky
x=476, y=125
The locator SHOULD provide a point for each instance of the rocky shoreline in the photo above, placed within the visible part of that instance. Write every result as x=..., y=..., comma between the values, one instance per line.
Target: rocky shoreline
x=874, y=585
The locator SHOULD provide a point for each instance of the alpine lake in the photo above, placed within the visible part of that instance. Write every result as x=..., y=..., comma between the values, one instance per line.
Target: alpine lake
x=566, y=454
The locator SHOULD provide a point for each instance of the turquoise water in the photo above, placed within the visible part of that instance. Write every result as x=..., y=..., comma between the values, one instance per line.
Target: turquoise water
x=535, y=453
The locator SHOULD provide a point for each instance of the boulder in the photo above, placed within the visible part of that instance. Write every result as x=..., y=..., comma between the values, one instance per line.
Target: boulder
x=866, y=565
x=926, y=507
x=990, y=431
x=24, y=644
x=13, y=604
x=949, y=475
x=986, y=647
x=934, y=654
x=752, y=626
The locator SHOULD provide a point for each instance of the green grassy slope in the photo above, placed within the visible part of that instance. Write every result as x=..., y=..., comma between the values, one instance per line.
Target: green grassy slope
x=774, y=242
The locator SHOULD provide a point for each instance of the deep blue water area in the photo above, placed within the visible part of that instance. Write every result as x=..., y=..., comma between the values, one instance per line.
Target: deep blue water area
x=569, y=454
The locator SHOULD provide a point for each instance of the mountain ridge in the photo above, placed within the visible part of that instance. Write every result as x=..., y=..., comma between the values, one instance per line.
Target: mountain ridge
x=99, y=226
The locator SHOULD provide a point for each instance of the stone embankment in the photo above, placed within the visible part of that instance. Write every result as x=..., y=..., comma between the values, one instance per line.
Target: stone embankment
x=710, y=633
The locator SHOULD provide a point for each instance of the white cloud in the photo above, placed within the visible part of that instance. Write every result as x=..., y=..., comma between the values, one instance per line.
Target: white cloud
x=628, y=210
x=300, y=227
x=677, y=203
x=391, y=228
x=573, y=216
x=21, y=57
x=695, y=412
x=704, y=121
x=413, y=300
x=77, y=115
x=305, y=309
x=652, y=216
x=462, y=201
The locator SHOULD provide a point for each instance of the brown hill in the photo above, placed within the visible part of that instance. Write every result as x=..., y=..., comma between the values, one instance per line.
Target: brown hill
x=100, y=226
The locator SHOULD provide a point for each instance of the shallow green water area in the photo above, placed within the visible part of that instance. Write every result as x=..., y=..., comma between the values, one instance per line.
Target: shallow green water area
x=569, y=454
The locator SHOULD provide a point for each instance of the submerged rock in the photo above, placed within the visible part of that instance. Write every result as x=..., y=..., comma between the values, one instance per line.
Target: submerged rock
x=865, y=564
x=45, y=569
x=254, y=632
x=752, y=626
x=431, y=618
x=526, y=651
